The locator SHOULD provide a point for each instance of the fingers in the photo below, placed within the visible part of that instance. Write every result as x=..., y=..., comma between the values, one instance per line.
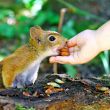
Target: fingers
x=72, y=59
x=61, y=59
x=72, y=42
x=75, y=58
x=74, y=49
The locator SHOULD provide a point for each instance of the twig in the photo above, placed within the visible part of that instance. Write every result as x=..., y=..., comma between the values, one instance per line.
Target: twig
x=78, y=11
x=62, y=13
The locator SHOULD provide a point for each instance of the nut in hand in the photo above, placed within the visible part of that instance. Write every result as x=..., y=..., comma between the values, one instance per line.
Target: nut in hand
x=64, y=51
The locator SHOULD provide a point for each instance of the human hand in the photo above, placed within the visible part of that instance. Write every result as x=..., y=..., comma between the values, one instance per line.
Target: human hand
x=83, y=47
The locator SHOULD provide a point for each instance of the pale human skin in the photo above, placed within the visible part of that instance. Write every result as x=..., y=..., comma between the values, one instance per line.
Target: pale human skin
x=85, y=46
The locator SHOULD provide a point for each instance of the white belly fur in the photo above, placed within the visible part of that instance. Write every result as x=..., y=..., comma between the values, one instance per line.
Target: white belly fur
x=28, y=76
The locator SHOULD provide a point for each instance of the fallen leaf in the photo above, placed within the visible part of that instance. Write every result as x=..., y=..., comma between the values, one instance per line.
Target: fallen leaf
x=51, y=90
x=59, y=81
x=26, y=94
x=54, y=84
x=36, y=94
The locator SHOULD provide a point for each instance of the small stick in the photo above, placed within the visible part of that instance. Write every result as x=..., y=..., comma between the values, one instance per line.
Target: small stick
x=62, y=13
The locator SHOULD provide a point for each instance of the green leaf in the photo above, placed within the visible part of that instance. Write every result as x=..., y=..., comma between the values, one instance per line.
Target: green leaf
x=21, y=107
x=68, y=29
x=52, y=17
x=105, y=61
x=40, y=19
x=70, y=70
x=6, y=30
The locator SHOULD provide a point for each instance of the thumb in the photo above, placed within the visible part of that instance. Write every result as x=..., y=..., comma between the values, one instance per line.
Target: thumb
x=72, y=42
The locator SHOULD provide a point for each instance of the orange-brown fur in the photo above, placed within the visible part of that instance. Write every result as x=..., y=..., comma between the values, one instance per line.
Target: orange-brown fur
x=17, y=62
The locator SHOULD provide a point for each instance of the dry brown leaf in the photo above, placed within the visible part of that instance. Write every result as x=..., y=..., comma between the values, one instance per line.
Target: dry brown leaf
x=36, y=94
x=26, y=94
x=52, y=90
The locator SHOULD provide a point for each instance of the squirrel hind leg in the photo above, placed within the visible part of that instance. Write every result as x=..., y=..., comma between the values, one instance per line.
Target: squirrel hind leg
x=21, y=81
x=28, y=76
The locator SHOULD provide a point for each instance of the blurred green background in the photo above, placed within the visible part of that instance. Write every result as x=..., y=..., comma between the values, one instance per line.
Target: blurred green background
x=17, y=16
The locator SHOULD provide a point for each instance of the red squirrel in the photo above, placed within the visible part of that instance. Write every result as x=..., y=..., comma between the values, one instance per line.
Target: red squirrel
x=21, y=67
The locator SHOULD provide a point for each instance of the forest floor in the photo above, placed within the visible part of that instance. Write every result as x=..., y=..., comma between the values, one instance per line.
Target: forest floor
x=85, y=94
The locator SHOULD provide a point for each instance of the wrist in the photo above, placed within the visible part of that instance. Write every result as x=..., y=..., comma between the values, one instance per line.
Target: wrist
x=103, y=36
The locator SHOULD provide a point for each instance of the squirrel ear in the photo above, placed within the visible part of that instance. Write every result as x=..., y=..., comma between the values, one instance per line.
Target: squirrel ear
x=35, y=31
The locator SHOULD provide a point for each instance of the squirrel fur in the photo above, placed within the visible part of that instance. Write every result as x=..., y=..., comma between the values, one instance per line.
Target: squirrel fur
x=21, y=67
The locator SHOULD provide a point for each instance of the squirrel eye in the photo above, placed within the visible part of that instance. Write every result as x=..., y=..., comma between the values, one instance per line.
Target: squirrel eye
x=52, y=38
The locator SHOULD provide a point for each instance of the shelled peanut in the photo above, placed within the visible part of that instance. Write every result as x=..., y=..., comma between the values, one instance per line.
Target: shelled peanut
x=64, y=51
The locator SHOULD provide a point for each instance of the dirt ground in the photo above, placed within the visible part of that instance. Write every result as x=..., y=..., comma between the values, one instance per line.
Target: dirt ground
x=85, y=94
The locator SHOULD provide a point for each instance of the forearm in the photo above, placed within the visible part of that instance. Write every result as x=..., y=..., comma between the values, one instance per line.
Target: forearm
x=103, y=36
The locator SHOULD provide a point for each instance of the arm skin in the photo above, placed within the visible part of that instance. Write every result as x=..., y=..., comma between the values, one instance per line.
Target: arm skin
x=86, y=45
x=103, y=36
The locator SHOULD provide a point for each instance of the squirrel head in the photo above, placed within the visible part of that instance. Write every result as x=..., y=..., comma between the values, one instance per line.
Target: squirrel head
x=48, y=42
